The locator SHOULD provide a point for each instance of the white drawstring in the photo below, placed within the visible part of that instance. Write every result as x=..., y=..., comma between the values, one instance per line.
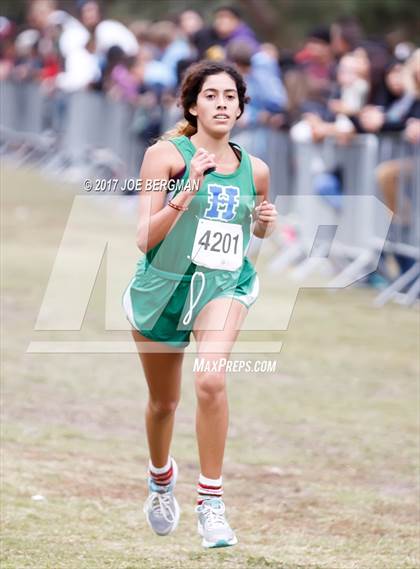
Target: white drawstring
x=193, y=303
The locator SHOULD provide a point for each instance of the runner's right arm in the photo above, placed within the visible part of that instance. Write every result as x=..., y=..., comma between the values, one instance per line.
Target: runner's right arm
x=156, y=220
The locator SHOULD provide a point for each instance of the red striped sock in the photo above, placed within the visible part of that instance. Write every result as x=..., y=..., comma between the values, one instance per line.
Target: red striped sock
x=161, y=476
x=209, y=488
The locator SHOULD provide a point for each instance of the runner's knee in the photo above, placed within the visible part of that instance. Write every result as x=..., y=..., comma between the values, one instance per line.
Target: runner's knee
x=162, y=408
x=210, y=385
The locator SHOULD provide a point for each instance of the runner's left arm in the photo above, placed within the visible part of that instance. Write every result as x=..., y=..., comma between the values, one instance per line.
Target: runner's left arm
x=264, y=214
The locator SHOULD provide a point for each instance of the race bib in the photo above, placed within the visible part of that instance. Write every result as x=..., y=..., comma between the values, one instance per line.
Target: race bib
x=218, y=245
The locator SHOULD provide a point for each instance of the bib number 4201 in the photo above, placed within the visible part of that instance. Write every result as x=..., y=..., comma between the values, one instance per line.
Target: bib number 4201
x=222, y=243
x=218, y=245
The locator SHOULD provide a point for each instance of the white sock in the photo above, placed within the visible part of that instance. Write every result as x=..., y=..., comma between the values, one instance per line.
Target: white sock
x=210, y=481
x=162, y=469
x=208, y=488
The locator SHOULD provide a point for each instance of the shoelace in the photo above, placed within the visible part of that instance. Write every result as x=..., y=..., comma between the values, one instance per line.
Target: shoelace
x=214, y=516
x=161, y=505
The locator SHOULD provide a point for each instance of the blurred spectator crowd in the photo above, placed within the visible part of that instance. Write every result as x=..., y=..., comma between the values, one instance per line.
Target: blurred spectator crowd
x=338, y=83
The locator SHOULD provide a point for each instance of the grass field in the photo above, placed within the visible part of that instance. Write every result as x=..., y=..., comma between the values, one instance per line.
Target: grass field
x=321, y=467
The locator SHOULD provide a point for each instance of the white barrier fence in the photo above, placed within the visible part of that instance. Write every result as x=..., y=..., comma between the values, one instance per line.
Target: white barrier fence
x=87, y=134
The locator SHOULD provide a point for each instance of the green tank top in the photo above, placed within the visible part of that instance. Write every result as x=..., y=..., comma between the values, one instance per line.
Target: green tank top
x=227, y=198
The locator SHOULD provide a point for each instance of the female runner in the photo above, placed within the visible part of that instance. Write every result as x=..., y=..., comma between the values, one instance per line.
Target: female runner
x=195, y=277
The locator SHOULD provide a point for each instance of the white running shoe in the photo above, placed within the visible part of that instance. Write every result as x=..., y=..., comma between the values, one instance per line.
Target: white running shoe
x=212, y=525
x=161, y=507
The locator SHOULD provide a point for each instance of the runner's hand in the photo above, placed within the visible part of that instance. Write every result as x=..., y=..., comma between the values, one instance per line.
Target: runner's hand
x=200, y=162
x=265, y=213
